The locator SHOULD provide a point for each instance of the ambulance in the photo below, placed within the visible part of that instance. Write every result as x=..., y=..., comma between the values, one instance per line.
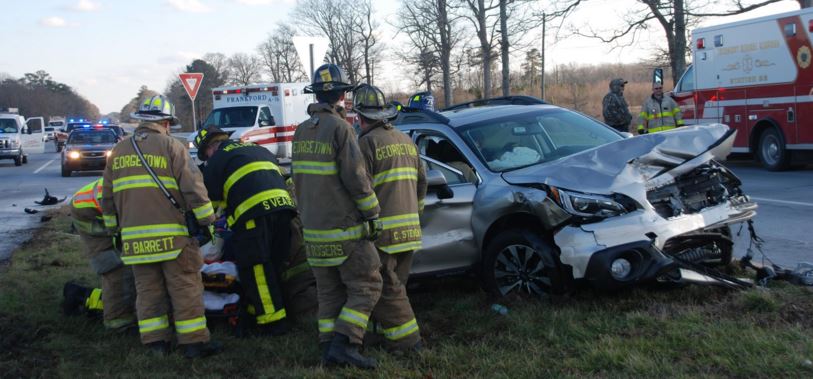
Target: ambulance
x=755, y=76
x=266, y=114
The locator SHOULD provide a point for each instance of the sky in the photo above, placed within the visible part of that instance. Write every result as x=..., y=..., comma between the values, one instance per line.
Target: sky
x=107, y=49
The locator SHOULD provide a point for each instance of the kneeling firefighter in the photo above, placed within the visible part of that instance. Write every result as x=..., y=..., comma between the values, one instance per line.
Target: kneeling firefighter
x=116, y=298
x=246, y=179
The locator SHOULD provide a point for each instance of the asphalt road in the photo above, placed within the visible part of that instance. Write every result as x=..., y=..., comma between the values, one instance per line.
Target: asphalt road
x=784, y=220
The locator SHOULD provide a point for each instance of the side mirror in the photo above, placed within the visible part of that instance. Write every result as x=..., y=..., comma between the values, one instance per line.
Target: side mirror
x=437, y=183
x=266, y=122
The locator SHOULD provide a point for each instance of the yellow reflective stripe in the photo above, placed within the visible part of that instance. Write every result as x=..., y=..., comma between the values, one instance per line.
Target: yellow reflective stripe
x=142, y=181
x=314, y=168
x=295, y=270
x=270, y=314
x=245, y=170
x=681, y=122
x=409, y=219
x=398, y=332
x=150, y=258
x=421, y=204
x=661, y=128
x=110, y=221
x=366, y=203
x=332, y=235
x=401, y=173
x=153, y=324
x=94, y=301
x=249, y=203
x=251, y=224
x=189, y=326
x=326, y=262
x=401, y=247
x=204, y=211
x=83, y=226
x=327, y=325
x=354, y=317
x=157, y=230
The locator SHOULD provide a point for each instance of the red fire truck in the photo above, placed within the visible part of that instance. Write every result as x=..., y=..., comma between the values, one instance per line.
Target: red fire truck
x=755, y=76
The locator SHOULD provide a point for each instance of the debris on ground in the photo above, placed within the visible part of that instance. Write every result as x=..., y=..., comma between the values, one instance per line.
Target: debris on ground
x=50, y=200
x=31, y=211
x=45, y=218
x=767, y=270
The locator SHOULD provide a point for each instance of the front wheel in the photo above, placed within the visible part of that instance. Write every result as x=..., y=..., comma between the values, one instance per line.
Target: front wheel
x=18, y=160
x=772, y=152
x=519, y=262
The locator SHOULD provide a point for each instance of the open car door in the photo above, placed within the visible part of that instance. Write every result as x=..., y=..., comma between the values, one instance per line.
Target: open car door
x=32, y=135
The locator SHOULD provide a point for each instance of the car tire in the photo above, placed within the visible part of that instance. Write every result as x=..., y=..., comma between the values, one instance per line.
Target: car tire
x=18, y=160
x=771, y=150
x=25, y=159
x=66, y=172
x=521, y=262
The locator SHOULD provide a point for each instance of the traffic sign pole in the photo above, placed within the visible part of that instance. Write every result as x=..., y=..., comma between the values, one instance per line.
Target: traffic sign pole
x=191, y=81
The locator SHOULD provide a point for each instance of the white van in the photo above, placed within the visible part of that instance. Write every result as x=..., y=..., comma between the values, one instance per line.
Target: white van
x=20, y=136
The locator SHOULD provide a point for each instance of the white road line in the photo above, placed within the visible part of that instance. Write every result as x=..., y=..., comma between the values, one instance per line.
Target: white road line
x=782, y=201
x=44, y=166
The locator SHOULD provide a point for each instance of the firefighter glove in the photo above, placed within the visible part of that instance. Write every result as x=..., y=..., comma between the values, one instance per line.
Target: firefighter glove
x=373, y=228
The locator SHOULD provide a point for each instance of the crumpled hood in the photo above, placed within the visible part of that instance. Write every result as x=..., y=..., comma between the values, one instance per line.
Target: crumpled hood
x=623, y=166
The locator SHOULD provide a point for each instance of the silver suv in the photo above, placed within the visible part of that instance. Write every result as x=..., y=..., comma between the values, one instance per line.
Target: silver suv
x=534, y=198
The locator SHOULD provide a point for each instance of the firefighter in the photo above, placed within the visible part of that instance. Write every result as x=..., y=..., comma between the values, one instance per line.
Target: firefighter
x=340, y=219
x=659, y=113
x=246, y=180
x=615, y=110
x=155, y=235
x=116, y=298
x=399, y=182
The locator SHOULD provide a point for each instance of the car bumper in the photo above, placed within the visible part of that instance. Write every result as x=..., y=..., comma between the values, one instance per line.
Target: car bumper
x=9, y=153
x=590, y=249
x=85, y=164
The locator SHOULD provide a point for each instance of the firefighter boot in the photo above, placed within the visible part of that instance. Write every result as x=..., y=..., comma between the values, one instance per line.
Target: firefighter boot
x=74, y=298
x=201, y=349
x=341, y=352
x=159, y=348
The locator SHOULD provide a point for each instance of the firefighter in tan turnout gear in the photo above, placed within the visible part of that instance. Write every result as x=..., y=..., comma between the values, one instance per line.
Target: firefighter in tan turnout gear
x=117, y=296
x=165, y=259
x=340, y=218
x=399, y=182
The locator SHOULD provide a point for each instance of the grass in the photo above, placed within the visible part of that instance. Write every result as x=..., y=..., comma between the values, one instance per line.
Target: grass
x=644, y=332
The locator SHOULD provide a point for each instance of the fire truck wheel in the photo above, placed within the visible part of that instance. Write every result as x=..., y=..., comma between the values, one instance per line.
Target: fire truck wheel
x=771, y=150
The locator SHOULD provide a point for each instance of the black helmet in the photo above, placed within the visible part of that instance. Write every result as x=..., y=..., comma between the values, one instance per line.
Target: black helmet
x=328, y=77
x=205, y=137
x=369, y=102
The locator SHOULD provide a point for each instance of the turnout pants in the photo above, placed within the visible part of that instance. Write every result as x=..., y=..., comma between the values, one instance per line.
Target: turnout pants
x=118, y=288
x=393, y=314
x=261, y=248
x=299, y=284
x=348, y=292
x=177, y=283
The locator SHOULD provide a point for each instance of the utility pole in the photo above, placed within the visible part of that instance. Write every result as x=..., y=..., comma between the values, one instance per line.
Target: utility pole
x=542, y=79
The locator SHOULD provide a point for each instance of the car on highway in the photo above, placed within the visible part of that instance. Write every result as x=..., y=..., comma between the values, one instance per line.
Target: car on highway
x=49, y=134
x=535, y=199
x=62, y=134
x=87, y=149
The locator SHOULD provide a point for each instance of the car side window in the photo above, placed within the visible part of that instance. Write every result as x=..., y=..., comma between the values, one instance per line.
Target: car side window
x=265, y=115
x=440, y=148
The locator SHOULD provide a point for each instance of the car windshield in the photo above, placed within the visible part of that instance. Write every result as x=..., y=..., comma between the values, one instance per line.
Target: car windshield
x=518, y=141
x=56, y=123
x=235, y=117
x=76, y=125
x=92, y=138
x=8, y=125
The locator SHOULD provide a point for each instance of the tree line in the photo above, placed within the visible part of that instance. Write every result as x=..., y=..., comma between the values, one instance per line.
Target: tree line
x=38, y=94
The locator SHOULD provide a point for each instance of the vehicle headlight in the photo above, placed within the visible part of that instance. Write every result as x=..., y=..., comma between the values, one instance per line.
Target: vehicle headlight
x=108, y=153
x=620, y=268
x=191, y=145
x=588, y=205
x=73, y=155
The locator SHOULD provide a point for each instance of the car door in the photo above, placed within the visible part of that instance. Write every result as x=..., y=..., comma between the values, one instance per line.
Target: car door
x=448, y=240
x=32, y=137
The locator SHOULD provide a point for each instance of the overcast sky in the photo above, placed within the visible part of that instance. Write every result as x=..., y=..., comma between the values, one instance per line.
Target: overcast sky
x=107, y=49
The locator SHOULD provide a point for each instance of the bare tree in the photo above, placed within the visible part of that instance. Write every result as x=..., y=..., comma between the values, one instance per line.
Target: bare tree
x=245, y=69
x=484, y=19
x=517, y=18
x=432, y=28
x=671, y=16
x=334, y=19
x=220, y=63
x=279, y=56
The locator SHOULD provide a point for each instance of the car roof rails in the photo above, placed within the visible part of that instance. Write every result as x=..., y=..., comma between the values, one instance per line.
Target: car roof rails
x=419, y=116
x=494, y=101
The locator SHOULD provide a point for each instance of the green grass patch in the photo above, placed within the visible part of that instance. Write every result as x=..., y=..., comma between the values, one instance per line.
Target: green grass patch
x=643, y=332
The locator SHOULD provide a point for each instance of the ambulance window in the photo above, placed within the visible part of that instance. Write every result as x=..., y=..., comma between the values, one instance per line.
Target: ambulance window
x=265, y=119
x=687, y=81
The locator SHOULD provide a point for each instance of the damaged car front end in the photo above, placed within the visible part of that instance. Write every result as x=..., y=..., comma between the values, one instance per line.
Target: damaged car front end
x=643, y=208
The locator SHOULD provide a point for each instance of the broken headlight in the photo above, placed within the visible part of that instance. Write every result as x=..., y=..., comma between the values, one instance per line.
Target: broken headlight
x=591, y=206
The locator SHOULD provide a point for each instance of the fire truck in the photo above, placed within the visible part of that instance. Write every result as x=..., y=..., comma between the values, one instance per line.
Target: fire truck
x=755, y=76
x=266, y=114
